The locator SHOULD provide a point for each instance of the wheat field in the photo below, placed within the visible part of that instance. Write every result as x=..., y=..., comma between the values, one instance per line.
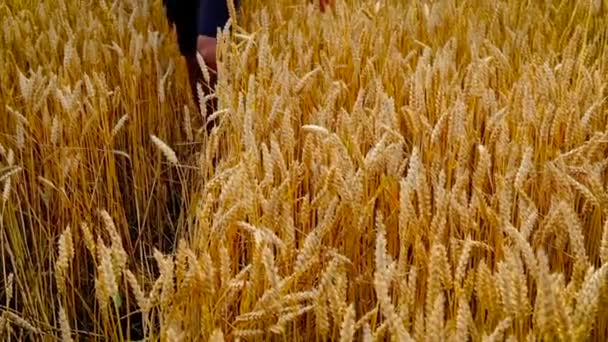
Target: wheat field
x=389, y=170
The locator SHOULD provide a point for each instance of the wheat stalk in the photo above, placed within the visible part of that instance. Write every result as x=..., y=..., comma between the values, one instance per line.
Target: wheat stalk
x=165, y=149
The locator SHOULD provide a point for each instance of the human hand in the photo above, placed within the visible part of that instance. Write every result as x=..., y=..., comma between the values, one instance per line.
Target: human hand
x=206, y=46
x=325, y=3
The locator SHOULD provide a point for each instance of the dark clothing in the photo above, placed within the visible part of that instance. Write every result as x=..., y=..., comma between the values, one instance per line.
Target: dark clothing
x=196, y=17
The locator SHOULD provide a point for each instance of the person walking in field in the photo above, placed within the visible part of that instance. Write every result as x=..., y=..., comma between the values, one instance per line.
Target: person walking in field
x=196, y=23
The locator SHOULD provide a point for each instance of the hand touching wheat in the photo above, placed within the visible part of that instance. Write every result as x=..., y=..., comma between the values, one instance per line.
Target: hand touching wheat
x=325, y=3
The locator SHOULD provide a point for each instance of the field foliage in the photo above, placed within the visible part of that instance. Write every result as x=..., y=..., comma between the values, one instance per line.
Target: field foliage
x=388, y=170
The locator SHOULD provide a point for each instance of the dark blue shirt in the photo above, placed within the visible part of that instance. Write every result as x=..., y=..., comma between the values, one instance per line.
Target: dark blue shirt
x=196, y=17
x=211, y=15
